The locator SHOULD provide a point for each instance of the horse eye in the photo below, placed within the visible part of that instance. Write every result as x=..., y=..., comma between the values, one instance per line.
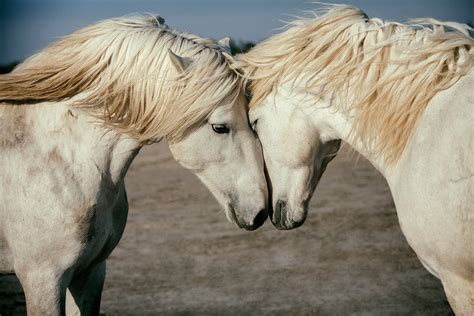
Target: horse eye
x=254, y=126
x=220, y=128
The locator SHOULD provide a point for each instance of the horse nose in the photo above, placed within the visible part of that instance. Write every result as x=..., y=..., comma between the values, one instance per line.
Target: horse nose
x=257, y=221
x=260, y=218
x=282, y=218
x=279, y=214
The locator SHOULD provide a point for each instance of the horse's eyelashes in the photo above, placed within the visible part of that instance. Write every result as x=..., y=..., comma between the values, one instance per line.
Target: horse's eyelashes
x=220, y=128
x=253, y=126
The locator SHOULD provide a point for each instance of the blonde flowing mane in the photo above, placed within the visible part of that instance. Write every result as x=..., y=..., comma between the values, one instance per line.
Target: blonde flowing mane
x=383, y=74
x=119, y=70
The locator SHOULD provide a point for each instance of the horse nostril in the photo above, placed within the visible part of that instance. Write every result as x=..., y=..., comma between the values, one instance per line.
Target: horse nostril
x=280, y=212
x=260, y=218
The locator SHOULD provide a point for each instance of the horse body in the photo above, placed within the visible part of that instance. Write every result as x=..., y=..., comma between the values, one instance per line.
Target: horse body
x=402, y=98
x=64, y=204
x=72, y=119
x=433, y=186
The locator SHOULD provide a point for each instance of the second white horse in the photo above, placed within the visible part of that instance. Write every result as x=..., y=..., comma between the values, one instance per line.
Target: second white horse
x=403, y=98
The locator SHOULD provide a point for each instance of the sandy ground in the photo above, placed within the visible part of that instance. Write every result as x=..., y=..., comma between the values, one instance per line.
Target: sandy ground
x=179, y=255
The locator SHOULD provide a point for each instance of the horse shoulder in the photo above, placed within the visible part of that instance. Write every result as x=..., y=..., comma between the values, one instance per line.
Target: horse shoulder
x=69, y=201
x=433, y=183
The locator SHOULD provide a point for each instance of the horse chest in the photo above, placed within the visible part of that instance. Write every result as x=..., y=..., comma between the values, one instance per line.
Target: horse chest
x=100, y=228
x=74, y=237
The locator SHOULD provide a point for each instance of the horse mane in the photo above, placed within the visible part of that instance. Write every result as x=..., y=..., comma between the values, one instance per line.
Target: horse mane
x=383, y=74
x=119, y=71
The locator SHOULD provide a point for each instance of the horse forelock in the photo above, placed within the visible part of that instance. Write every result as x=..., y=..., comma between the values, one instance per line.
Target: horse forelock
x=119, y=71
x=385, y=73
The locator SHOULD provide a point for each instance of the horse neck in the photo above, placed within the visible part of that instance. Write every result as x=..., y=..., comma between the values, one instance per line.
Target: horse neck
x=336, y=124
x=82, y=142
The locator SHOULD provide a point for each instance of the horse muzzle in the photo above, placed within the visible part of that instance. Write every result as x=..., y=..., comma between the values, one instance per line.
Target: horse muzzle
x=282, y=219
x=258, y=220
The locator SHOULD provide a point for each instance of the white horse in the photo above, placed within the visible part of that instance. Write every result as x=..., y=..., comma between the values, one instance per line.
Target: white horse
x=402, y=96
x=72, y=119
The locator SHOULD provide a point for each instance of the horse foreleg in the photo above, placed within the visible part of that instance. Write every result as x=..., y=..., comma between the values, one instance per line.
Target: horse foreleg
x=460, y=293
x=45, y=291
x=85, y=290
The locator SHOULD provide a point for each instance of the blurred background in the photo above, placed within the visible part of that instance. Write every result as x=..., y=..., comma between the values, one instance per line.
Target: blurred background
x=179, y=255
x=26, y=26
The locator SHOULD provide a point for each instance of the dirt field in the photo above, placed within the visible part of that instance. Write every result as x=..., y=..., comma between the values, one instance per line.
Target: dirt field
x=179, y=255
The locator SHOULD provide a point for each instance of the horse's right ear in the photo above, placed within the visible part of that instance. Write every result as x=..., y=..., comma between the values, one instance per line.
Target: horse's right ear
x=180, y=63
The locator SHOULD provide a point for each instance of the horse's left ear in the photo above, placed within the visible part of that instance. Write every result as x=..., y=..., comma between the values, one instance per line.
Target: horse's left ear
x=225, y=42
x=180, y=63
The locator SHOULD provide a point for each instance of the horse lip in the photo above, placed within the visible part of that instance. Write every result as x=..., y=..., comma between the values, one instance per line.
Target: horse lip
x=234, y=216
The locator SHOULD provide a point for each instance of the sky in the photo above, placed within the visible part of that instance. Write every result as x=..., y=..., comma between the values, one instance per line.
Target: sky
x=26, y=26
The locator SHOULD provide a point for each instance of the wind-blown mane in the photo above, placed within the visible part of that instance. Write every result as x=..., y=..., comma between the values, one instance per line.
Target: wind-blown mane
x=382, y=73
x=119, y=70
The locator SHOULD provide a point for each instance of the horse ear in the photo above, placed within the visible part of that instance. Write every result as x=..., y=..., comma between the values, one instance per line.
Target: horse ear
x=225, y=42
x=180, y=63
